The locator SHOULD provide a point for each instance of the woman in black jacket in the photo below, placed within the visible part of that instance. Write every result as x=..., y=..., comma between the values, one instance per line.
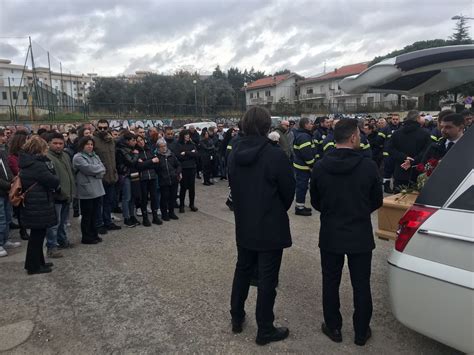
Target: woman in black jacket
x=208, y=151
x=187, y=155
x=169, y=174
x=38, y=212
x=147, y=165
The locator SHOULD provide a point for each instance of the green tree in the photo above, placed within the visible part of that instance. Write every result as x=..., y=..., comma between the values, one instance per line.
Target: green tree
x=284, y=71
x=461, y=32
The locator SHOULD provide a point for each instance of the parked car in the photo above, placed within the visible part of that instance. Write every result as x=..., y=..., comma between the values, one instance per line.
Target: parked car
x=431, y=269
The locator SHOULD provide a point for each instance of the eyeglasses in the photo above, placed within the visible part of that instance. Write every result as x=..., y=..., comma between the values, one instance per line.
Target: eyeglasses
x=102, y=128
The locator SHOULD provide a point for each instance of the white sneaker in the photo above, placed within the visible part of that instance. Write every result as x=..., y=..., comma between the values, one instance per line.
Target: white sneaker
x=148, y=209
x=11, y=245
x=115, y=218
x=3, y=252
x=138, y=212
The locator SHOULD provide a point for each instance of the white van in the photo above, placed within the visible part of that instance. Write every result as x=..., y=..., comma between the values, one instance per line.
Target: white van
x=201, y=125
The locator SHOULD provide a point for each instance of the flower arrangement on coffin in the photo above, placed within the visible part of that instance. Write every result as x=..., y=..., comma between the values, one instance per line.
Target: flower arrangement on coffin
x=395, y=206
x=425, y=171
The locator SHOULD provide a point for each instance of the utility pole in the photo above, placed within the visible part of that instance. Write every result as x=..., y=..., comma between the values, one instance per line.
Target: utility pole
x=50, y=95
x=35, y=83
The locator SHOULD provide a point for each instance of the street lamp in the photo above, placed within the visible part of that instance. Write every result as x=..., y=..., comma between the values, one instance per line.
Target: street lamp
x=195, y=98
x=245, y=89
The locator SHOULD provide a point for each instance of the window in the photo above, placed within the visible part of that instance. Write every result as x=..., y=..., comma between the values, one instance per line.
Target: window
x=309, y=91
x=370, y=101
x=358, y=101
x=4, y=95
x=268, y=93
x=258, y=94
x=321, y=89
x=13, y=79
x=14, y=95
x=25, y=95
x=251, y=95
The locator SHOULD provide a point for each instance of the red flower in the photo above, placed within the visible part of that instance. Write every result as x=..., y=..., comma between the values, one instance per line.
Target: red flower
x=433, y=162
x=429, y=172
x=420, y=168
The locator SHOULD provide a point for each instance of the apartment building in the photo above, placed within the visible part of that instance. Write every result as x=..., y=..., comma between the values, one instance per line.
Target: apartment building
x=271, y=89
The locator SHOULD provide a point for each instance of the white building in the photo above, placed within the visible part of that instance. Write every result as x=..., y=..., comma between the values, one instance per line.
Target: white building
x=271, y=89
x=324, y=92
x=15, y=79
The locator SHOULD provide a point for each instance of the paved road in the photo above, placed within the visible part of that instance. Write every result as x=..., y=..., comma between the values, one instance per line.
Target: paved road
x=166, y=289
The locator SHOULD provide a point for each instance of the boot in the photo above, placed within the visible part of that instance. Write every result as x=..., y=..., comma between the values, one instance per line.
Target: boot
x=156, y=219
x=165, y=216
x=302, y=211
x=146, y=221
x=387, y=188
x=181, y=208
x=172, y=215
x=24, y=234
x=193, y=208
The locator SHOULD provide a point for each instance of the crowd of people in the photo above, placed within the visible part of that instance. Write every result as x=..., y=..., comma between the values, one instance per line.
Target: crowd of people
x=101, y=173
x=342, y=159
x=396, y=155
x=149, y=173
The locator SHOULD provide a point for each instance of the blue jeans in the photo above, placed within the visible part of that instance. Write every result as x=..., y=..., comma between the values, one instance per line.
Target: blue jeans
x=302, y=180
x=104, y=208
x=56, y=235
x=5, y=219
x=128, y=205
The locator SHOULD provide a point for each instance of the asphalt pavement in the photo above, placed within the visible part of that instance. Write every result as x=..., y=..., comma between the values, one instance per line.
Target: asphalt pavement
x=166, y=289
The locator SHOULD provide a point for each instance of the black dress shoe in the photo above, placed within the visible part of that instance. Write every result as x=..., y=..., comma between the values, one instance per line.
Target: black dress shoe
x=99, y=240
x=173, y=216
x=181, y=209
x=48, y=264
x=302, y=212
x=94, y=241
x=193, y=208
x=276, y=334
x=362, y=341
x=237, y=325
x=335, y=335
x=165, y=218
x=102, y=230
x=41, y=270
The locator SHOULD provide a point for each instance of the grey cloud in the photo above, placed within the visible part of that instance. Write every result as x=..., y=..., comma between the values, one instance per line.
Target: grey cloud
x=8, y=51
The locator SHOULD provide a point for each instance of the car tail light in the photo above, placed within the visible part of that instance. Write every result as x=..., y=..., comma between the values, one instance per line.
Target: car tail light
x=409, y=224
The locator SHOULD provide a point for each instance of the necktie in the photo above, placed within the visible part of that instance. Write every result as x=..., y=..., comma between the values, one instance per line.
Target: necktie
x=449, y=146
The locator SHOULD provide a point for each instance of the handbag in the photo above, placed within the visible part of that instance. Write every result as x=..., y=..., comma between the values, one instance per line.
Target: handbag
x=16, y=194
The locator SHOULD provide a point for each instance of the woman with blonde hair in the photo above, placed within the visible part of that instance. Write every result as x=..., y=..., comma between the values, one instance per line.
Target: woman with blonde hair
x=37, y=212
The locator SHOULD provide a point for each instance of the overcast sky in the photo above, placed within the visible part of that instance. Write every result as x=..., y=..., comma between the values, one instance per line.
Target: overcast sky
x=115, y=37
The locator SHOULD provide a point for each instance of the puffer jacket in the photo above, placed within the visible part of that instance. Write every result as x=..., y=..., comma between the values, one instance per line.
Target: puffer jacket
x=89, y=173
x=168, y=169
x=38, y=211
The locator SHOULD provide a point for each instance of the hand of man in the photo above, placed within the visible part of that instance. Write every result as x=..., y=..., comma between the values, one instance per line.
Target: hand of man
x=155, y=160
x=135, y=151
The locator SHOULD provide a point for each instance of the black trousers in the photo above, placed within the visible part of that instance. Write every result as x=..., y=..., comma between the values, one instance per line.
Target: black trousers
x=148, y=187
x=188, y=182
x=268, y=264
x=359, y=268
x=34, y=252
x=207, y=168
x=168, y=198
x=89, y=219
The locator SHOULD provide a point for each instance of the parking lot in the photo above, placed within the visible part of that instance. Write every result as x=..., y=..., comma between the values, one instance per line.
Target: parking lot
x=166, y=289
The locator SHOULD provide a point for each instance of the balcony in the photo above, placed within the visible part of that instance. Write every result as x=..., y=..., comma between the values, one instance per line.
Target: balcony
x=257, y=101
x=269, y=99
x=313, y=96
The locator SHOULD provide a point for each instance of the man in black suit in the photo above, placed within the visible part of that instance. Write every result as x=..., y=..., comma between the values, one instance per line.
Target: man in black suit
x=407, y=147
x=452, y=129
x=346, y=188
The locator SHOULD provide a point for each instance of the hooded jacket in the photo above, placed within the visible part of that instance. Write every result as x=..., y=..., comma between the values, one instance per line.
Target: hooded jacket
x=105, y=149
x=263, y=187
x=38, y=211
x=409, y=141
x=346, y=188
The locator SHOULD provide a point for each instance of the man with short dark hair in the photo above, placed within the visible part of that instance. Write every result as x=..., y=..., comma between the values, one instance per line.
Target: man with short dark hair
x=468, y=116
x=303, y=162
x=105, y=149
x=452, y=129
x=346, y=189
x=56, y=236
